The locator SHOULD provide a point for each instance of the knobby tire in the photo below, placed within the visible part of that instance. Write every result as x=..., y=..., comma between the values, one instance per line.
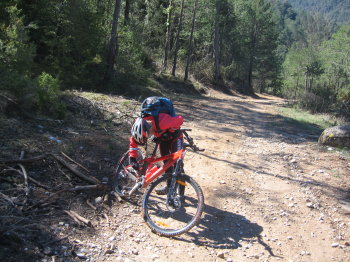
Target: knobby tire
x=122, y=181
x=161, y=221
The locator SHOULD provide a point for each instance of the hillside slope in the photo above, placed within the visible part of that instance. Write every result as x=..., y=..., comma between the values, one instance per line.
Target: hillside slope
x=336, y=10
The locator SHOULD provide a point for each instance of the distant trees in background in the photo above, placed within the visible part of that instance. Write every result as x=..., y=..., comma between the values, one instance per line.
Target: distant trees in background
x=336, y=10
x=115, y=45
x=318, y=76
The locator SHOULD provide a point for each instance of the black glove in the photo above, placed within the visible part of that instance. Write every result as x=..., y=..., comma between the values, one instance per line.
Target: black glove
x=133, y=163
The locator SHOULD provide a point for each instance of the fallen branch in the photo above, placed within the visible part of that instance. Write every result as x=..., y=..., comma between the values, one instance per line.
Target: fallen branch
x=29, y=178
x=75, y=162
x=77, y=217
x=24, y=173
x=7, y=198
x=61, y=171
x=38, y=183
x=73, y=217
x=117, y=197
x=90, y=205
x=89, y=187
x=74, y=189
x=90, y=179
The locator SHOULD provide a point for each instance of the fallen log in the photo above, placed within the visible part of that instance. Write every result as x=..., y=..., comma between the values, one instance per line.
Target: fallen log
x=76, y=172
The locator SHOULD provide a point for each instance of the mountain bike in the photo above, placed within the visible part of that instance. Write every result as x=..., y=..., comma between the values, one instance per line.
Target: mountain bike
x=174, y=212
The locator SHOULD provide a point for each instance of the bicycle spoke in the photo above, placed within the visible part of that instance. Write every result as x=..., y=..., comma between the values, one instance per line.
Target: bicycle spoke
x=124, y=181
x=173, y=217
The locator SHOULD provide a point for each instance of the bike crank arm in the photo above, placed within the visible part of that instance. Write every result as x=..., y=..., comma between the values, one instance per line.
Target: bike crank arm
x=138, y=185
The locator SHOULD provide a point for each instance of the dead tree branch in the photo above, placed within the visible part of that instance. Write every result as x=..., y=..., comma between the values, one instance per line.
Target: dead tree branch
x=7, y=198
x=24, y=173
x=29, y=178
x=74, y=189
x=76, y=217
x=89, y=179
x=75, y=162
x=90, y=205
x=73, y=217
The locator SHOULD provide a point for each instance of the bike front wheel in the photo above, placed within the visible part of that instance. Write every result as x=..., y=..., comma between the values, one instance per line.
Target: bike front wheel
x=178, y=216
x=124, y=180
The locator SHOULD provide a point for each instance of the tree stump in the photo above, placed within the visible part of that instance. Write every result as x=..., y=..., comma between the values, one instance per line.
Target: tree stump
x=337, y=136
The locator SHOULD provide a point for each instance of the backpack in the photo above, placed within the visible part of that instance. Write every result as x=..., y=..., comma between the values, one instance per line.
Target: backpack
x=154, y=105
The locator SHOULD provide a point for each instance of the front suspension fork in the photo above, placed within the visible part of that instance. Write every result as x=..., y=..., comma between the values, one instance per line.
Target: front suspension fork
x=174, y=185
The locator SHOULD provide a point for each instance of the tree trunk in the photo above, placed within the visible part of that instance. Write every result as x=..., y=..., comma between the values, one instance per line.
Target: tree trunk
x=127, y=12
x=250, y=76
x=306, y=81
x=147, y=12
x=296, y=87
x=216, y=48
x=253, y=43
x=167, y=37
x=112, y=49
x=177, y=40
x=189, y=54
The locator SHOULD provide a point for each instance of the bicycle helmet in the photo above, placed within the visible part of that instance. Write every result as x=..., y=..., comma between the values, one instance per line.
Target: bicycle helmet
x=140, y=130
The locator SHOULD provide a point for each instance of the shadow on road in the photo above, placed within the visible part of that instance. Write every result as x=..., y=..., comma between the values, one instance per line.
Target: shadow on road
x=215, y=113
x=221, y=229
x=326, y=188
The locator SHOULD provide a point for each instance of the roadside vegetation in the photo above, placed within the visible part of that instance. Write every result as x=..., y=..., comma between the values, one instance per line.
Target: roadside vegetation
x=322, y=121
x=140, y=48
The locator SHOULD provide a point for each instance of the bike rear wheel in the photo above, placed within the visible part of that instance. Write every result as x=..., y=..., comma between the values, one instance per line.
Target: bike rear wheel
x=124, y=180
x=179, y=217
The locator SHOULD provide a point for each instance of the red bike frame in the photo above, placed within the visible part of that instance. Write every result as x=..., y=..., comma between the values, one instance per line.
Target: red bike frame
x=153, y=173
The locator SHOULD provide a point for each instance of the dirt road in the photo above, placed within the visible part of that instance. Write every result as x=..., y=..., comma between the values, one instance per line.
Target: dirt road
x=272, y=194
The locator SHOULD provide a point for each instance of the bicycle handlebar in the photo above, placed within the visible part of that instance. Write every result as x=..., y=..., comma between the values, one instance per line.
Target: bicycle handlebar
x=190, y=141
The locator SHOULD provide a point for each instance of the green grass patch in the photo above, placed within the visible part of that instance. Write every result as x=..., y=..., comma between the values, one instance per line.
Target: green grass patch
x=94, y=96
x=322, y=121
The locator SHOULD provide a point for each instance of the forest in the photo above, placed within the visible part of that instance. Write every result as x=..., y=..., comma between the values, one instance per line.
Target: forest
x=115, y=46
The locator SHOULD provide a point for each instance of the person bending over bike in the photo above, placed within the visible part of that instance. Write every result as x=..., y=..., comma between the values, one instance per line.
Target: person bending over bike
x=171, y=140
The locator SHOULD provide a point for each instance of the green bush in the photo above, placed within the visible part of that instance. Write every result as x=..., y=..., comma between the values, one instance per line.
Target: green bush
x=203, y=70
x=15, y=83
x=48, y=94
x=344, y=94
x=132, y=61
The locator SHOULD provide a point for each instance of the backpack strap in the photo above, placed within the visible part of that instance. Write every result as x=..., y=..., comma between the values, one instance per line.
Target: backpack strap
x=156, y=117
x=156, y=122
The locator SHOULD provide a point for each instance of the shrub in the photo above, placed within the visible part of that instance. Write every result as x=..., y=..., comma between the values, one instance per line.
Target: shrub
x=344, y=94
x=48, y=93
